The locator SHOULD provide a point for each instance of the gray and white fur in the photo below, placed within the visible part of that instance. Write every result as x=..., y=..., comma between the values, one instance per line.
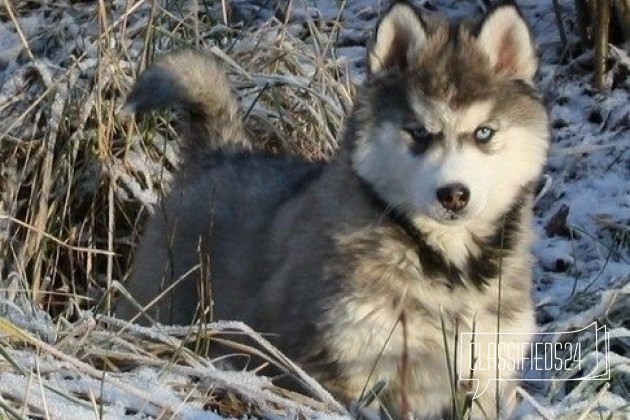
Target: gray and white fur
x=416, y=227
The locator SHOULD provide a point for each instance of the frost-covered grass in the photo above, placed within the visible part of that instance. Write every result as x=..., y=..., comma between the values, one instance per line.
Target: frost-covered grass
x=78, y=177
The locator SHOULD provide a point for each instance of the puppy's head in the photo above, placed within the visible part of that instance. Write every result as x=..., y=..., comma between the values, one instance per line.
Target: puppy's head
x=448, y=124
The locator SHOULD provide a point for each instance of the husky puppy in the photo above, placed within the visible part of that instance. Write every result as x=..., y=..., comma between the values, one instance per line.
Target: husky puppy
x=365, y=269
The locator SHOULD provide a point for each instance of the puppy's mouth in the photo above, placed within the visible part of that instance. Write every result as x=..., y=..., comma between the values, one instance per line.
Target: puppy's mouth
x=452, y=216
x=439, y=214
x=448, y=216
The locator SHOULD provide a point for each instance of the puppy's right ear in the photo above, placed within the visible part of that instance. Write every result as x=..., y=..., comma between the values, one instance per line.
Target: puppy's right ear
x=400, y=37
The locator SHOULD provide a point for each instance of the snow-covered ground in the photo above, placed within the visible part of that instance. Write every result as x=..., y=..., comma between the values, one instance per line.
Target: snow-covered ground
x=582, y=273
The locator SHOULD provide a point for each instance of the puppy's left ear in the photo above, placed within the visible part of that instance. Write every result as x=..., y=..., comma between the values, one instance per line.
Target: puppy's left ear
x=505, y=38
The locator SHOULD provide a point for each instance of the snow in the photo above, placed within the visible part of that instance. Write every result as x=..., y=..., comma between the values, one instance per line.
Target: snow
x=580, y=278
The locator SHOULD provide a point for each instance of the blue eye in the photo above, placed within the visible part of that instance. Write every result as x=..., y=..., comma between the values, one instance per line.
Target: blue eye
x=483, y=134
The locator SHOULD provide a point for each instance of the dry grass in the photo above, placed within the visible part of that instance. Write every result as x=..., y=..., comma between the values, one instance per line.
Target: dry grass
x=78, y=177
x=86, y=369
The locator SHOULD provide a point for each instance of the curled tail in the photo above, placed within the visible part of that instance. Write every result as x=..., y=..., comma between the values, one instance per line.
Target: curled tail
x=194, y=85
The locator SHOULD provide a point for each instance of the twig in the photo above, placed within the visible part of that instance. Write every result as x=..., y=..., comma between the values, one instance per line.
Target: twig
x=54, y=239
x=590, y=406
x=561, y=30
x=405, y=407
x=6, y=407
x=601, y=41
x=7, y=5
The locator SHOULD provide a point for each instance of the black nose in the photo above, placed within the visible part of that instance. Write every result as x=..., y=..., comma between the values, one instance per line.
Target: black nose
x=453, y=197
